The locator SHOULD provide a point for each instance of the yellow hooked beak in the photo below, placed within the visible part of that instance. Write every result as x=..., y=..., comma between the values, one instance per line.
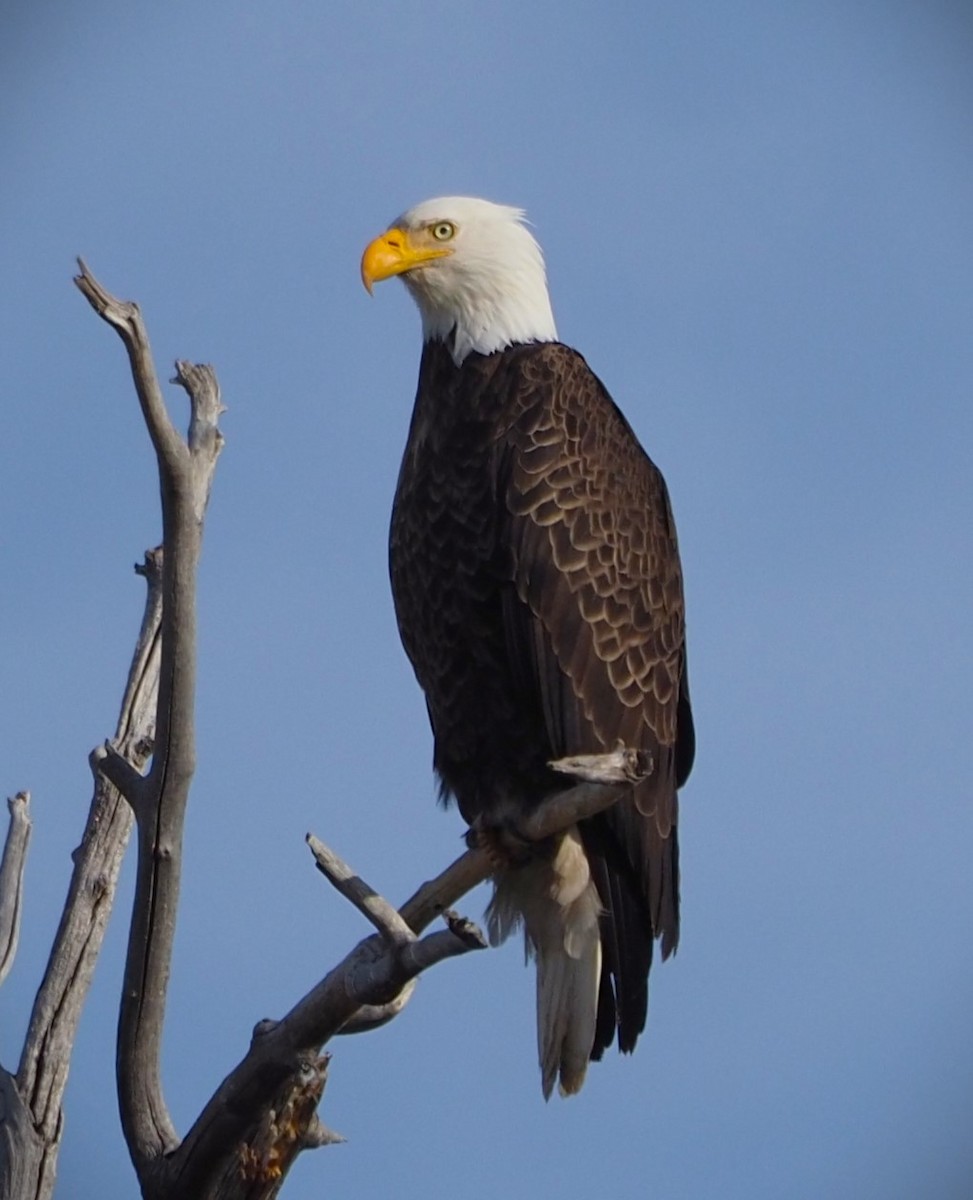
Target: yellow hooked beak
x=397, y=251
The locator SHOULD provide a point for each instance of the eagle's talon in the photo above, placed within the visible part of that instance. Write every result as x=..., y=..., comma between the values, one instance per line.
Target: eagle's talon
x=502, y=842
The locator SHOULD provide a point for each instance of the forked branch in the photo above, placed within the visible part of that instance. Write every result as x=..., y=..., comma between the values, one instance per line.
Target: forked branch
x=33, y=1118
x=367, y=988
x=159, y=799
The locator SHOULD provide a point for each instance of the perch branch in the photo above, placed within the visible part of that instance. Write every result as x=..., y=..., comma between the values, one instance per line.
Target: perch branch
x=12, y=878
x=368, y=986
x=605, y=778
x=159, y=800
x=621, y=766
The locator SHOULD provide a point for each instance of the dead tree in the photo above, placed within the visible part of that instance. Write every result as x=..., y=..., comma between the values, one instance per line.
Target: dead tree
x=265, y=1112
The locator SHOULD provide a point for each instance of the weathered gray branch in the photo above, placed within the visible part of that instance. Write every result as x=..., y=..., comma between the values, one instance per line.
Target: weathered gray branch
x=159, y=800
x=282, y=1053
x=368, y=986
x=370, y=904
x=125, y=318
x=621, y=766
x=32, y=1118
x=12, y=878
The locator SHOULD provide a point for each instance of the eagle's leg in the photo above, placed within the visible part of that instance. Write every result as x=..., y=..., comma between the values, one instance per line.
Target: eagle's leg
x=513, y=837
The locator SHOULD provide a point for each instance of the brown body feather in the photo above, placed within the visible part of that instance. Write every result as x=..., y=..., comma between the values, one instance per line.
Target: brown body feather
x=538, y=590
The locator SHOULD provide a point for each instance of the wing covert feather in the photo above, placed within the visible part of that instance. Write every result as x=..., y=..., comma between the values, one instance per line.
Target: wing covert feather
x=597, y=605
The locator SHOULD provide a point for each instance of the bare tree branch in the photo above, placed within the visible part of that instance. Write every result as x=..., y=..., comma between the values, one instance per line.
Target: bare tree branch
x=32, y=1117
x=125, y=318
x=12, y=878
x=369, y=903
x=460, y=936
x=367, y=987
x=280, y=1052
x=617, y=767
x=159, y=801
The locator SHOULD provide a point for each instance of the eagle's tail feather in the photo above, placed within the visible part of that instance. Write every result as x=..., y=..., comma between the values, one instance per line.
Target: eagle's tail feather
x=557, y=901
x=567, y=1005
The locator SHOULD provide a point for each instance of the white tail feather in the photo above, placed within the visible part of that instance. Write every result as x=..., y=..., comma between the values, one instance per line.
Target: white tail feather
x=558, y=904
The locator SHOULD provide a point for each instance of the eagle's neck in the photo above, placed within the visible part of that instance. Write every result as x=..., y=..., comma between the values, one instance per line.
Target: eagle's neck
x=484, y=310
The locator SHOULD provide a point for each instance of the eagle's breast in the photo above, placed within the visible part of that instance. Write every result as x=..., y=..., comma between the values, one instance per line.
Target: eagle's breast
x=449, y=575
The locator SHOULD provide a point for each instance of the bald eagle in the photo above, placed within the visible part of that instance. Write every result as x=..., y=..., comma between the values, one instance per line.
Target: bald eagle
x=538, y=592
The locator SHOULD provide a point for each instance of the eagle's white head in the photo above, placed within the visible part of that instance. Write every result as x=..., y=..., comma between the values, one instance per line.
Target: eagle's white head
x=474, y=269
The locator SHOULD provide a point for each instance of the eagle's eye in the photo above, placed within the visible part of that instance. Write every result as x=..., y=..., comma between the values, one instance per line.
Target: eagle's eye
x=442, y=231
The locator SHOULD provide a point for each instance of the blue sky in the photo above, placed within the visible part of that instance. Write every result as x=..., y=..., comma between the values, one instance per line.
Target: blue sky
x=758, y=221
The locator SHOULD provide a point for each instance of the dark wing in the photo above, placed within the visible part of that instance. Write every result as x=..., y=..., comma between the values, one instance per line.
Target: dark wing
x=595, y=617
